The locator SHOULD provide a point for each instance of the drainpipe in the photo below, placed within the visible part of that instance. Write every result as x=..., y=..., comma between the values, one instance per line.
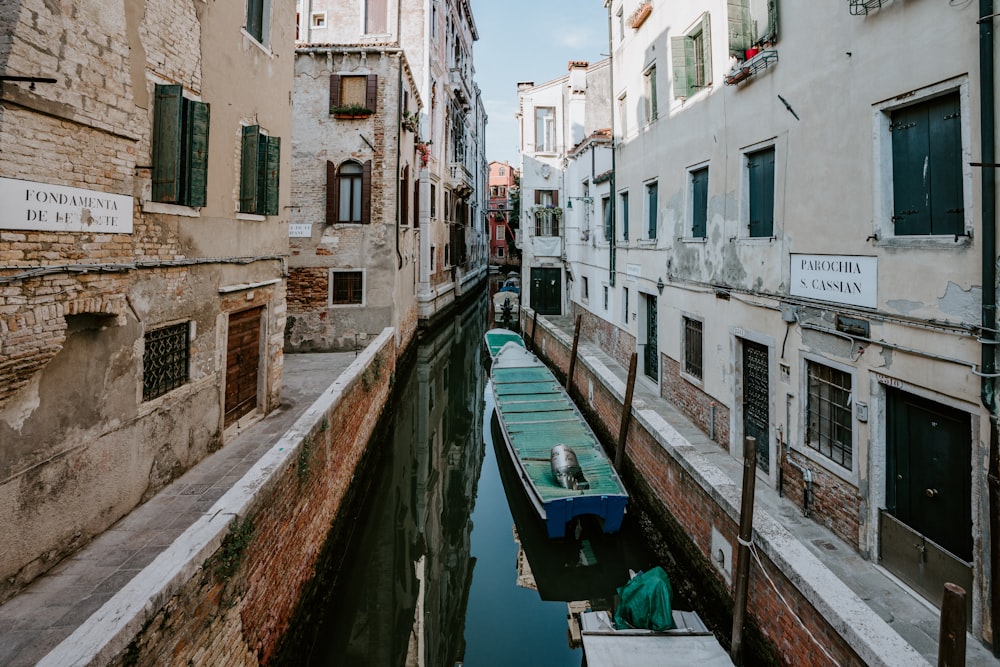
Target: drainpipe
x=399, y=151
x=988, y=365
x=614, y=198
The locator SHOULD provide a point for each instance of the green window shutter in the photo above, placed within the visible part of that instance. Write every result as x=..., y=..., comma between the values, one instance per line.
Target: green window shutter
x=625, y=216
x=738, y=15
x=910, y=154
x=366, y=193
x=606, y=203
x=272, y=170
x=371, y=93
x=772, y=20
x=652, y=195
x=196, y=124
x=332, y=193
x=706, y=36
x=334, y=90
x=945, y=139
x=760, y=166
x=249, y=159
x=679, y=60
x=699, y=203
x=167, y=144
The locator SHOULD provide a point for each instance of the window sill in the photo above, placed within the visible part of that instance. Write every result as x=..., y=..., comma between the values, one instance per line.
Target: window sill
x=936, y=241
x=170, y=209
x=827, y=464
x=646, y=243
x=691, y=379
x=756, y=240
x=693, y=239
x=346, y=305
x=255, y=42
x=251, y=216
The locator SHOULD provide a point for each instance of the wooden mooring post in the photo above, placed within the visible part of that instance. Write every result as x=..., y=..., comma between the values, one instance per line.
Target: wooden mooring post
x=626, y=412
x=572, y=355
x=743, y=554
x=534, y=325
x=951, y=640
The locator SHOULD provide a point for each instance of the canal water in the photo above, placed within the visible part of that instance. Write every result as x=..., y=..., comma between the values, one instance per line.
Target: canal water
x=448, y=564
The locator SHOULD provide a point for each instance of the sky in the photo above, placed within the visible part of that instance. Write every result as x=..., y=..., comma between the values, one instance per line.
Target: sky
x=529, y=40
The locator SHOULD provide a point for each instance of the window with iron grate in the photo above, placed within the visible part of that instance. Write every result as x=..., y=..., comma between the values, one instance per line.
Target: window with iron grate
x=164, y=360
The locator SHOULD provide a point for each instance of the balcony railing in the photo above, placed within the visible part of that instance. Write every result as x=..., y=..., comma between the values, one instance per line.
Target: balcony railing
x=750, y=67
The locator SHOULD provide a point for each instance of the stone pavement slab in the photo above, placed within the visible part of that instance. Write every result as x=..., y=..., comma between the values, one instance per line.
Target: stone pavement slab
x=35, y=621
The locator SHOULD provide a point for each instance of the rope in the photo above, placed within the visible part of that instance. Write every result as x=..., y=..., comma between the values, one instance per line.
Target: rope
x=753, y=550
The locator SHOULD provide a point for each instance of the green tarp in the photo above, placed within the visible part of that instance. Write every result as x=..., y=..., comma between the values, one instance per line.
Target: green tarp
x=645, y=602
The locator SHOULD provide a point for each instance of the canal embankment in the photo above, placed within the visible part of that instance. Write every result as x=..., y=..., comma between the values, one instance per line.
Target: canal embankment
x=222, y=575
x=812, y=599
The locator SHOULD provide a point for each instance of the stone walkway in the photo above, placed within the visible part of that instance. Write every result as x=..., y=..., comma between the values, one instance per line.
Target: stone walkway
x=915, y=620
x=54, y=605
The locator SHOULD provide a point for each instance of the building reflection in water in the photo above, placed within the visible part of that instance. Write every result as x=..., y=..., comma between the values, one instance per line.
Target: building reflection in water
x=401, y=595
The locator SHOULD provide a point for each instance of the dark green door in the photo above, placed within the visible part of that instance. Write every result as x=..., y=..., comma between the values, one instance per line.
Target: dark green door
x=756, y=400
x=925, y=531
x=650, y=358
x=929, y=470
x=546, y=290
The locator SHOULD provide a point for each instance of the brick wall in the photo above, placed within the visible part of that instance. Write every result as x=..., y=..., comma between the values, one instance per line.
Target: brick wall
x=693, y=402
x=684, y=510
x=240, y=619
x=835, y=503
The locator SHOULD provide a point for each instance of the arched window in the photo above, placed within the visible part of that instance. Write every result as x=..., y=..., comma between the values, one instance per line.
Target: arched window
x=349, y=184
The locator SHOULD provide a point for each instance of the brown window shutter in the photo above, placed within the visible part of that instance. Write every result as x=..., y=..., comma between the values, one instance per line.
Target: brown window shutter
x=332, y=193
x=555, y=198
x=371, y=98
x=334, y=90
x=366, y=193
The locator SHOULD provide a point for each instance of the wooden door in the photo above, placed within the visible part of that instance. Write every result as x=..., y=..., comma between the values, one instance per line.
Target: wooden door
x=242, y=363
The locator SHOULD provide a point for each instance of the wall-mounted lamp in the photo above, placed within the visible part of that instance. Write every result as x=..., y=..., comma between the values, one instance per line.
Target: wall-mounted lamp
x=660, y=285
x=585, y=200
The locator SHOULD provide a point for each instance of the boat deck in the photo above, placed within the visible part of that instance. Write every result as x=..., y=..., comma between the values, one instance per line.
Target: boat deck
x=539, y=415
x=497, y=338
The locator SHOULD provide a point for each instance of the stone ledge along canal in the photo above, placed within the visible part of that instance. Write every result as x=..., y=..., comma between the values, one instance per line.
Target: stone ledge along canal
x=448, y=564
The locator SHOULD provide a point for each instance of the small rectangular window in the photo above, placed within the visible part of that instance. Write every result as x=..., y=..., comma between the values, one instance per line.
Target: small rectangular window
x=258, y=20
x=164, y=360
x=434, y=201
x=625, y=305
x=260, y=164
x=376, y=16
x=649, y=80
x=346, y=288
x=693, y=354
x=699, y=203
x=751, y=22
x=623, y=115
x=545, y=129
x=623, y=212
x=829, y=418
x=651, y=209
x=760, y=179
x=606, y=297
x=319, y=20
x=606, y=212
x=500, y=232
x=586, y=288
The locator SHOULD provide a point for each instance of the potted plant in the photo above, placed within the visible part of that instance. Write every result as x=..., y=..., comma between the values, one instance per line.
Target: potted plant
x=351, y=111
x=410, y=121
x=424, y=150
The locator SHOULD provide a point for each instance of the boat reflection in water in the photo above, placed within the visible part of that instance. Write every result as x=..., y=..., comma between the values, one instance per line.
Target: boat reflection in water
x=587, y=564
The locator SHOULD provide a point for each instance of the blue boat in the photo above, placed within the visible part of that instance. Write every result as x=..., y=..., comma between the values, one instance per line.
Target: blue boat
x=560, y=462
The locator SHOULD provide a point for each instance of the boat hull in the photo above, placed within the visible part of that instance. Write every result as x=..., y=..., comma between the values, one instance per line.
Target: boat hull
x=535, y=414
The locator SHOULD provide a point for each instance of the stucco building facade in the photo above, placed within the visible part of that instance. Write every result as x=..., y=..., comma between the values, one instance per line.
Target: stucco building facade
x=437, y=38
x=502, y=225
x=143, y=183
x=798, y=245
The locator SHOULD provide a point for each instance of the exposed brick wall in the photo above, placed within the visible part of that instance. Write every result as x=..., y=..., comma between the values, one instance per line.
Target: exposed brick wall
x=835, y=503
x=615, y=341
x=240, y=620
x=684, y=511
x=308, y=288
x=693, y=402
